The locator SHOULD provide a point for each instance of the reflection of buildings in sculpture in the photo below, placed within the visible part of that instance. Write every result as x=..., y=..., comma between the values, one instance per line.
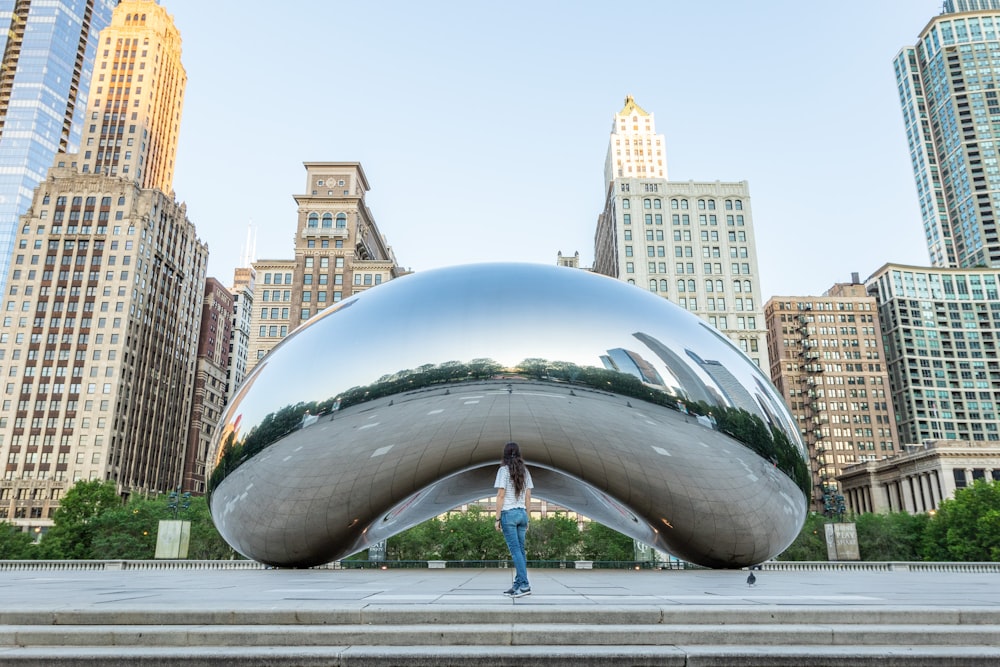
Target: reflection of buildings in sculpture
x=772, y=411
x=690, y=385
x=737, y=396
x=918, y=478
x=627, y=361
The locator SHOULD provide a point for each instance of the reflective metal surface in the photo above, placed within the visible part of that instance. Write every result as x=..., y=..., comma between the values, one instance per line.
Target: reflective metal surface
x=393, y=407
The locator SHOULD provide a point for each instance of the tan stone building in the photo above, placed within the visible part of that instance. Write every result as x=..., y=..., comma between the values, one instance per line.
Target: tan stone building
x=828, y=363
x=339, y=251
x=920, y=477
x=100, y=330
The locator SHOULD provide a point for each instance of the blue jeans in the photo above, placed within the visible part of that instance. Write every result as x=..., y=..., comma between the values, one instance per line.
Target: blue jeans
x=514, y=524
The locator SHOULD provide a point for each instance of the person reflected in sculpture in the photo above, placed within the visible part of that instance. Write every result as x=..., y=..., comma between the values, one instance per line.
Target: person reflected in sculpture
x=513, y=485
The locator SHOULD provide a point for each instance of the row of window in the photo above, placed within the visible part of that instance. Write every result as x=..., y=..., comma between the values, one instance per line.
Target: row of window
x=734, y=268
x=685, y=220
x=688, y=251
x=681, y=204
x=327, y=221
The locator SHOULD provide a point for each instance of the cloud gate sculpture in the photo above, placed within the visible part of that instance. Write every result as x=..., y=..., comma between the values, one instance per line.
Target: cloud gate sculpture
x=393, y=406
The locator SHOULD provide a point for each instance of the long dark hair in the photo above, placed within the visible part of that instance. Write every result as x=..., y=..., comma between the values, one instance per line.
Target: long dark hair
x=515, y=466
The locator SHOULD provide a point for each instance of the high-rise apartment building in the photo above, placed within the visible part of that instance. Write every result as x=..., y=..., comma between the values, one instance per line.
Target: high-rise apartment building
x=48, y=57
x=242, y=320
x=339, y=251
x=941, y=329
x=99, y=343
x=211, y=381
x=828, y=363
x=690, y=242
x=949, y=88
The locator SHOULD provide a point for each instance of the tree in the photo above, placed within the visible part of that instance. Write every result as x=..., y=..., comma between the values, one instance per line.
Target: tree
x=966, y=527
x=470, y=535
x=15, y=544
x=553, y=538
x=73, y=522
x=598, y=542
x=421, y=542
x=893, y=536
x=811, y=542
x=127, y=532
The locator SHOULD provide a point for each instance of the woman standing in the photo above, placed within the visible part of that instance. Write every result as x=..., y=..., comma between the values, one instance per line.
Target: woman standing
x=513, y=485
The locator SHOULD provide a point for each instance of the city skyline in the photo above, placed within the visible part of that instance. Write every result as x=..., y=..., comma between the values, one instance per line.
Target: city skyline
x=454, y=125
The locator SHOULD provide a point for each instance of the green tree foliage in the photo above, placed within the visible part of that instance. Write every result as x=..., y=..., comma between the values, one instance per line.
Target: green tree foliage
x=127, y=532
x=598, y=542
x=422, y=542
x=71, y=535
x=15, y=544
x=887, y=537
x=966, y=527
x=471, y=535
x=553, y=538
x=811, y=542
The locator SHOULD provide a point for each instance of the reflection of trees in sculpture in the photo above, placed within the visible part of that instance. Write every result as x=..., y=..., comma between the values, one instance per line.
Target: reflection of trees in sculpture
x=770, y=443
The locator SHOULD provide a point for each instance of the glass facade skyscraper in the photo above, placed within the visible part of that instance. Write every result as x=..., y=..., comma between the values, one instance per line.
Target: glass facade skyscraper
x=949, y=89
x=48, y=57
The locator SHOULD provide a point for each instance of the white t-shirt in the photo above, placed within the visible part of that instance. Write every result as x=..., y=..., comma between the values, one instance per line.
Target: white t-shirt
x=505, y=482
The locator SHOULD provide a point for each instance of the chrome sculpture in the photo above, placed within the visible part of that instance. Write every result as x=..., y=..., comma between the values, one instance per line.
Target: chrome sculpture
x=393, y=406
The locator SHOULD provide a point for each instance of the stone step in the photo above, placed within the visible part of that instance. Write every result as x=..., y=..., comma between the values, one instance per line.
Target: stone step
x=502, y=634
x=506, y=656
x=513, y=612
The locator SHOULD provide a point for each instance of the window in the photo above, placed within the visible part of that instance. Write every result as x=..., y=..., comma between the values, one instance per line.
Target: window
x=341, y=221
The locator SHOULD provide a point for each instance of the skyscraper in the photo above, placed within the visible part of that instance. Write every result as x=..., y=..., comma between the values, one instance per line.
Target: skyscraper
x=99, y=351
x=48, y=56
x=940, y=329
x=949, y=88
x=690, y=242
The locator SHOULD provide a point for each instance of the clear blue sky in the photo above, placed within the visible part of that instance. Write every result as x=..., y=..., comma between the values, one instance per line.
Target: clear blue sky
x=483, y=127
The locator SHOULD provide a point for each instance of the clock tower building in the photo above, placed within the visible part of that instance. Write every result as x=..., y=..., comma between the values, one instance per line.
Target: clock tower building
x=339, y=251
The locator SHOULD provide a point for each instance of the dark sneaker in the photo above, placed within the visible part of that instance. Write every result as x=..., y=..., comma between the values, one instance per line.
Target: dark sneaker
x=521, y=593
x=510, y=592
